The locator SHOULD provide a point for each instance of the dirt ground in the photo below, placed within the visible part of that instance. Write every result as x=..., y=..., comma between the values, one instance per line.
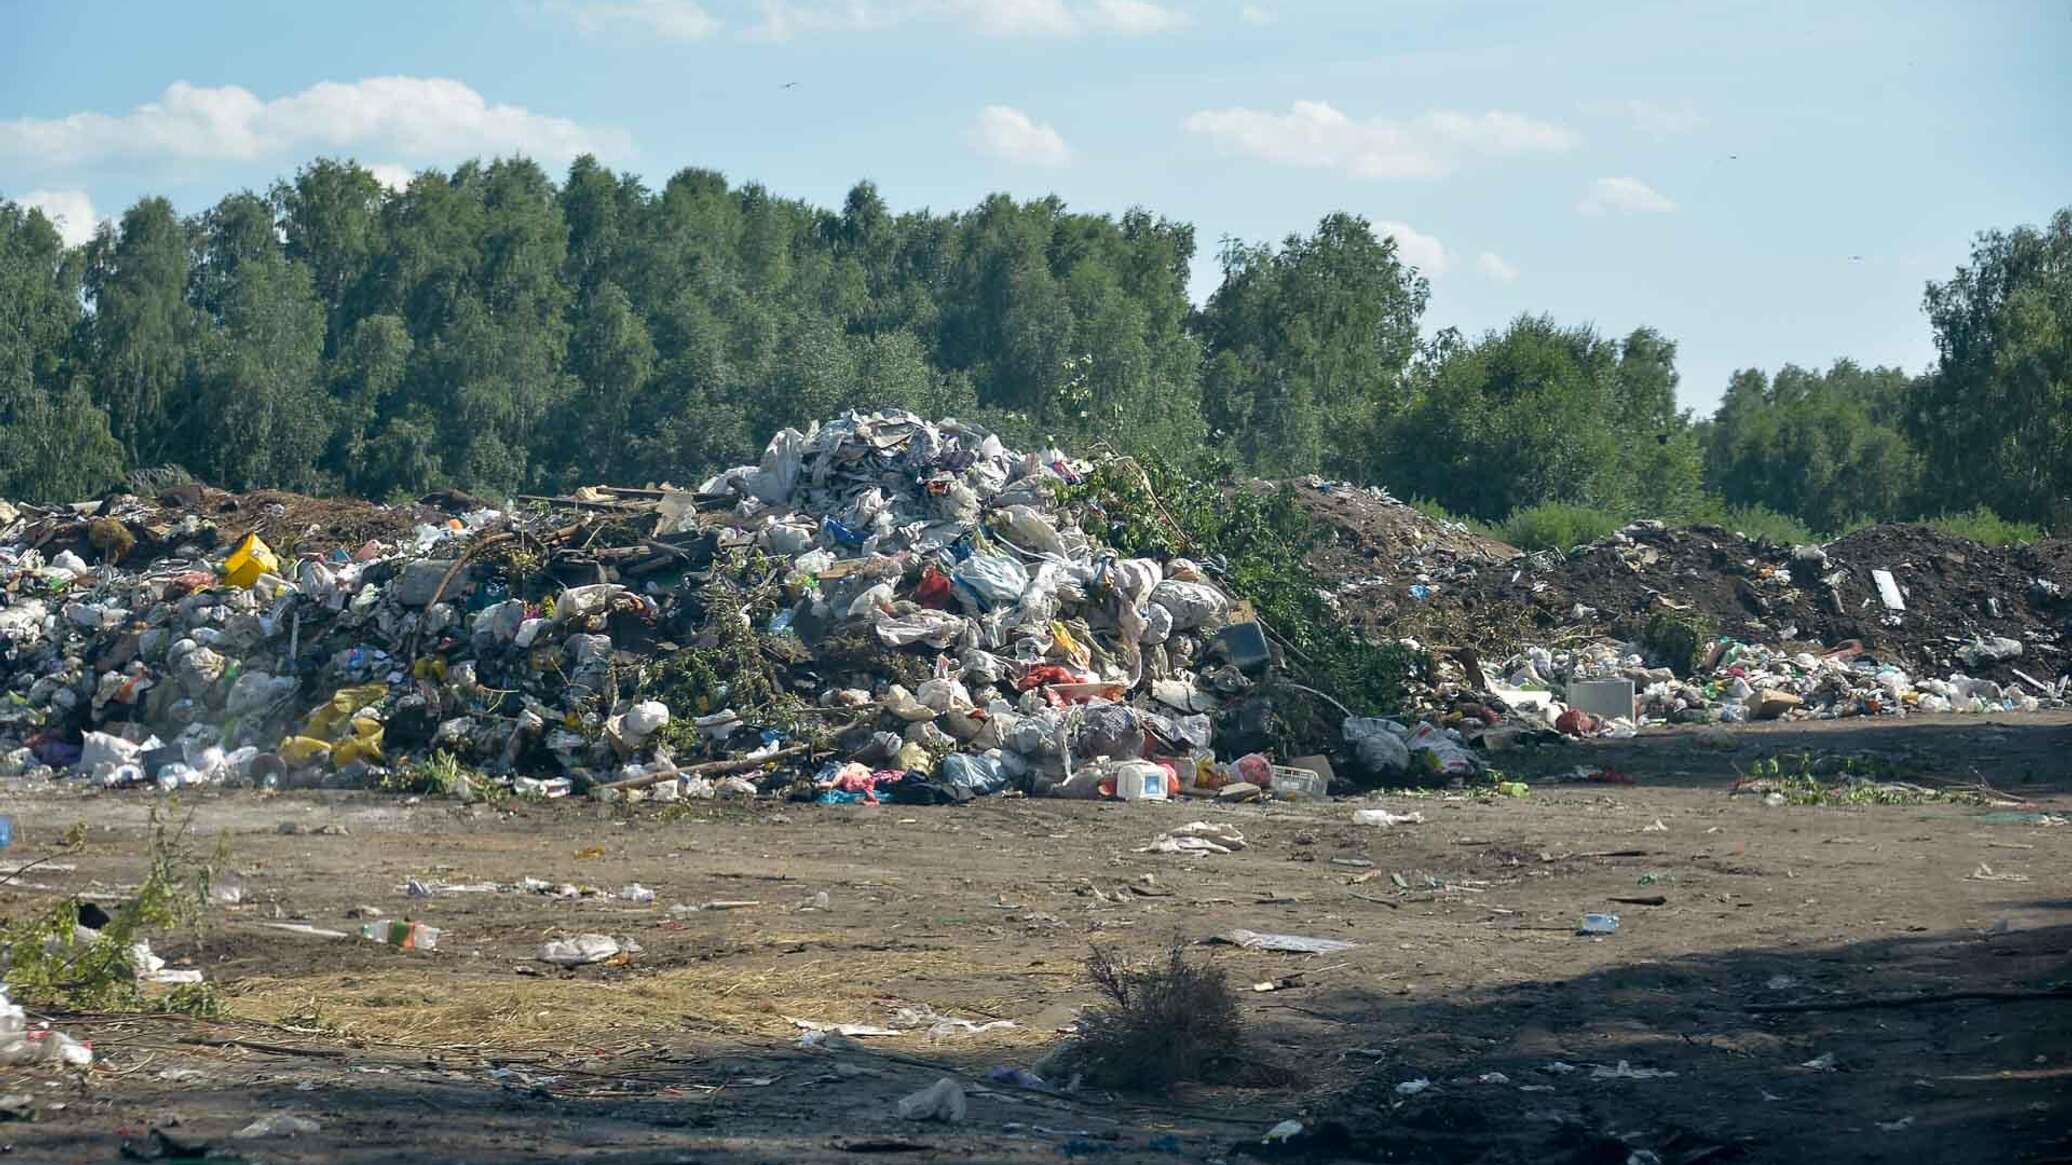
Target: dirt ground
x=1467, y=973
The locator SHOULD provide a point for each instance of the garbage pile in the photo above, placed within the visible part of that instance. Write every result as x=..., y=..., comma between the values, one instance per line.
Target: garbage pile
x=1909, y=595
x=1657, y=655
x=887, y=608
x=884, y=608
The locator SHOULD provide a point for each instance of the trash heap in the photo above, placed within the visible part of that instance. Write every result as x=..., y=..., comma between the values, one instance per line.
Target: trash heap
x=887, y=608
x=1911, y=596
x=884, y=608
x=1657, y=625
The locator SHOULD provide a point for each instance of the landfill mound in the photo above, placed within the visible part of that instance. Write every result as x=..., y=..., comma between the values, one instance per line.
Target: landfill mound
x=882, y=608
x=888, y=608
x=1954, y=595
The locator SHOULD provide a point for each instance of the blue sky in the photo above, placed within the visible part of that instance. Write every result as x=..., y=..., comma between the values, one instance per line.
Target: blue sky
x=1763, y=182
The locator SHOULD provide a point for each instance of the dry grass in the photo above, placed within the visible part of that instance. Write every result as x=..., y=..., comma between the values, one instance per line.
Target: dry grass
x=428, y=1006
x=1168, y=1021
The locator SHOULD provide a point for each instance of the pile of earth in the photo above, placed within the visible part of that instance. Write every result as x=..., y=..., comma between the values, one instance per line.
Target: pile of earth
x=1956, y=592
x=158, y=524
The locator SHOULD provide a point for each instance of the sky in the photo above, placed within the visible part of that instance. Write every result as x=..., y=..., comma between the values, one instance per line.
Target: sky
x=1763, y=182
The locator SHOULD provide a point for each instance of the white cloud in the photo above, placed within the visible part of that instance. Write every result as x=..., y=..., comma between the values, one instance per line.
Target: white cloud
x=1314, y=134
x=1010, y=134
x=71, y=211
x=1254, y=15
x=1492, y=265
x=784, y=19
x=1420, y=250
x=1625, y=196
x=390, y=175
x=1133, y=17
x=1018, y=17
x=677, y=20
x=433, y=118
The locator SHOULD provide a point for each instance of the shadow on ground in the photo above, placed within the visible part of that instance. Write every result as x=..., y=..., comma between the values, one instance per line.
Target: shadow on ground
x=1681, y=1061
x=2027, y=755
x=1719, y=1061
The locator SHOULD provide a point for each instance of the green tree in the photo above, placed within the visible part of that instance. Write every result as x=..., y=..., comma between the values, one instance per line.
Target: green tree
x=54, y=441
x=1994, y=418
x=1308, y=346
x=259, y=414
x=1546, y=413
x=612, y=359
x=330, y=215
x=136, y=281
x=1824, y=447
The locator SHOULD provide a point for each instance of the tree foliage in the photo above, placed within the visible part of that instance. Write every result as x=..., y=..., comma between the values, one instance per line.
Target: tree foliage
x=1994, y=418
x=489, y=328
x=1825, y=447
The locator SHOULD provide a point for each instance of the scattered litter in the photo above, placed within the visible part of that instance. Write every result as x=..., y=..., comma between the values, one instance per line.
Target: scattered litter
x=1285, y=1131
x=1412, y=1087
x=1625, y=1071
x=1598, y=924
x=852, y=1030
x=1824, y=1062
x=1385, y=819
x=1198, y=837
x=304, y=928
x=583, y=949
x=1294, y=943
x=278, y=1124
x=24, y=1046
x=940, y=1101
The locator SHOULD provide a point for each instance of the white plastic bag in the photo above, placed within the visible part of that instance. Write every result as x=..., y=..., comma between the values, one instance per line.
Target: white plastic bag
x=994, y=580
x=1191, y=604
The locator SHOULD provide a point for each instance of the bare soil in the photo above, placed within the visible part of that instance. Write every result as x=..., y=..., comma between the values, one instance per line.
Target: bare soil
x=1468, y=972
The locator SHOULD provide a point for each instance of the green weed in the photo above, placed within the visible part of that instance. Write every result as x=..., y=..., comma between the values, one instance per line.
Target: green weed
x=1983, y=525
x=53, y=963
x=1557, y=526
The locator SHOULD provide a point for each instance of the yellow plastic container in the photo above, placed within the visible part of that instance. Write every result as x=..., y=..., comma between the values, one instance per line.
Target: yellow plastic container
x=251, y=559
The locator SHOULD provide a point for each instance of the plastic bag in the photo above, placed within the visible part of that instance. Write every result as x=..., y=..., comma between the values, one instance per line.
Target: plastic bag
x=1191, y=604
x=981, y=775
x=1376, y=744
x=936, y=628
x=1032, y=531
x=1441, y=752
x=778, y=475
x=992, y=580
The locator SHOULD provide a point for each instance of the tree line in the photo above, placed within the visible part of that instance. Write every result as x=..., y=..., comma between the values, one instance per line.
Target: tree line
x=491, y=329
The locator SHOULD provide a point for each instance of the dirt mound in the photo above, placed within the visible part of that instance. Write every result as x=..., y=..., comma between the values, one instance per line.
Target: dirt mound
x=135, y=530
x=1955, y=591
x=1381, y=554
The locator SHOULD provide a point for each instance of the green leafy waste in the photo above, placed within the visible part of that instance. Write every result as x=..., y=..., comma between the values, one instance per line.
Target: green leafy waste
x=53, y=963
x=1256, y=540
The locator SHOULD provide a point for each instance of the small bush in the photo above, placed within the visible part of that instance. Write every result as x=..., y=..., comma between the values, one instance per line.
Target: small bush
x=1983, y=525
x=1557, y=526
x=442, y=775
x=52, y=963
x=1679, y=639
x=1439, y=513
x=1170, y=1021
x=1760, y=521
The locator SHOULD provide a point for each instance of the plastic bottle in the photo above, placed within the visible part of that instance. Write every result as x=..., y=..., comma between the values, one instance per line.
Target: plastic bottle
x=411, y=936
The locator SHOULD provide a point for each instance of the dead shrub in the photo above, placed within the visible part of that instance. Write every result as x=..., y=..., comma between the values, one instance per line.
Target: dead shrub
x=1167, y=1021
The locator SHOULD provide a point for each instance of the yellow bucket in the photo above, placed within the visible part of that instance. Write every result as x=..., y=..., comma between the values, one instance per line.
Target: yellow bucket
x=251, y=559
